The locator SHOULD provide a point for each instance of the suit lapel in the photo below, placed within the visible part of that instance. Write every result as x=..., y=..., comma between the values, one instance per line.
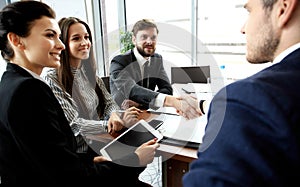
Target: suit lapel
x=135, y=68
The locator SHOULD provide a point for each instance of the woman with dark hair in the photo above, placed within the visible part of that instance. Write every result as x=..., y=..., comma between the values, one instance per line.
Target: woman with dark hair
x=81, y=93
x=37, y=145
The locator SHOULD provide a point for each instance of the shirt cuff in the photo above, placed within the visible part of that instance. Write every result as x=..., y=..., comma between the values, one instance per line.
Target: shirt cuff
x=159, y=100
x=203, y=109
x=92, y=126
x=201, y=106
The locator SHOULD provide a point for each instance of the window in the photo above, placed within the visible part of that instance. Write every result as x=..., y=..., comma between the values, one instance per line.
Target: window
x=191, y=32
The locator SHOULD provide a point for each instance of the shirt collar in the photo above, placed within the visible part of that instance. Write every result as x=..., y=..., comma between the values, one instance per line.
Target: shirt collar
x=285, y=53
x=139, y=58
x=34, y=74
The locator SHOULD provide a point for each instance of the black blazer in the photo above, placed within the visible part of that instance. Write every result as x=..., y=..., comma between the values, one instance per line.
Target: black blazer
x=126, y=79
x=37, y=145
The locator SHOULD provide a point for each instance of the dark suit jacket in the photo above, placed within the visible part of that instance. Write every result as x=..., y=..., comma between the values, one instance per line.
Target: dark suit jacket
x=126, y=79
x=253, y=133
x=37, y=146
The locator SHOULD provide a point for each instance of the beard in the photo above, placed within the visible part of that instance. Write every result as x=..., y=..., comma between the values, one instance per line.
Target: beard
x=144, y=53
x=263, y=47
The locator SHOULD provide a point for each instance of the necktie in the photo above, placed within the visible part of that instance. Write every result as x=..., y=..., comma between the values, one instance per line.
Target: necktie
x=146, y=75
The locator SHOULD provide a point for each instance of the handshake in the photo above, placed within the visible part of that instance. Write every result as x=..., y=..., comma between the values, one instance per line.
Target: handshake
x=185, y=105
x=189, y=107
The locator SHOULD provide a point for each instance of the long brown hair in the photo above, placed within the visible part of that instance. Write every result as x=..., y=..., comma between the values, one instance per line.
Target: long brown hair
x=65, y=75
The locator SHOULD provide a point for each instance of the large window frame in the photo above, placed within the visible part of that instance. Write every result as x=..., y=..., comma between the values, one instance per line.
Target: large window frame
x=99, y=16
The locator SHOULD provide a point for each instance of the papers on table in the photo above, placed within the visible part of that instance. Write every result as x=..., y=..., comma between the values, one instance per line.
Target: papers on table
x=199, y=90
x=179, y=128
x=196, y=88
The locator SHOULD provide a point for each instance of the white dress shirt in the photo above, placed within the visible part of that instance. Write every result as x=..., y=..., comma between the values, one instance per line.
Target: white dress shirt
x=160, y=99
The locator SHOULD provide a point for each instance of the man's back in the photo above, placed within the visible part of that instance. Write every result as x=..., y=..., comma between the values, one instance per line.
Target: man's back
x=257, y=121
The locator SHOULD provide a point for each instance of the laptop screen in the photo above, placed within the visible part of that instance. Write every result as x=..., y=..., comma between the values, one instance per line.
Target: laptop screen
x=190, y=74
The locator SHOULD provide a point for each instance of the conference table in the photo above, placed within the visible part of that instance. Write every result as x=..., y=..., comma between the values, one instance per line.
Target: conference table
x=183, y=137
x=175, y=157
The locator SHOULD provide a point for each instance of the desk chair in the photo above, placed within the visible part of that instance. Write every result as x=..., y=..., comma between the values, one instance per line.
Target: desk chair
x=190, y=74
x=106, y=82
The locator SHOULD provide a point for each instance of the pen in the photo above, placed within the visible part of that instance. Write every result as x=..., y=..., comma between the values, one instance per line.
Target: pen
x=155, y=112
x=188, y=92
x=121, y=113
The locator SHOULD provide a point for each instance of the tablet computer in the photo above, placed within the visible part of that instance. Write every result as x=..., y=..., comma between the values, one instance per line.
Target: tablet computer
x=127, y=142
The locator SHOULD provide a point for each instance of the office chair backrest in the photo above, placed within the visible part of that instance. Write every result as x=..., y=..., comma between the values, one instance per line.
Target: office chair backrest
x=106, y=82
x=190, y=74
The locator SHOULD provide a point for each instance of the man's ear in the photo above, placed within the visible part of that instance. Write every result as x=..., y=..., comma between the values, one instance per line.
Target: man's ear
x=285, y=11
x=133, y=39
x=15, y=40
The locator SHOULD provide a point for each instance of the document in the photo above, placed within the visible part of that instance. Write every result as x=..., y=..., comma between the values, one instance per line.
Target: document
x=196, y=88
x=179, y=128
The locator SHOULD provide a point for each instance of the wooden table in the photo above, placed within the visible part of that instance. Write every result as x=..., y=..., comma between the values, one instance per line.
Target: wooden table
x=175, y=159
x=175, y=163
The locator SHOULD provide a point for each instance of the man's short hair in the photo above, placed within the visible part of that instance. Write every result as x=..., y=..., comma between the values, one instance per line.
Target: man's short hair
x=142, y=25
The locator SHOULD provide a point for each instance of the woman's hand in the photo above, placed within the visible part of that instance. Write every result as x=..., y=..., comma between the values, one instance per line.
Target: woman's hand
x=127, y=103
x=98, y=159
x=131, y=116
x=115, y=124
x=147, y=151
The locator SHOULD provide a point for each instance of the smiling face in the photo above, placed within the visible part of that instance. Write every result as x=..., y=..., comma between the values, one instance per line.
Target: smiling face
x=79, y=43
x=42, y=47
x=262, y=38
x=145, y=41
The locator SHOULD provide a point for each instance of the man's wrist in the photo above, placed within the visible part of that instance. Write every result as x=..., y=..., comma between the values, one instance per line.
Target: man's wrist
x=170, y=101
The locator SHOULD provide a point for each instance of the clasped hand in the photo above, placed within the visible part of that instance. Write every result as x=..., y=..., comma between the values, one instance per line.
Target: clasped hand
x=188, y=107
x=118, y=121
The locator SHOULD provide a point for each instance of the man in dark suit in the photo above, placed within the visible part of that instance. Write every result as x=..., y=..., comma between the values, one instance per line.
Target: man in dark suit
x=129, y=81
x=135, y=75
x=252, y=136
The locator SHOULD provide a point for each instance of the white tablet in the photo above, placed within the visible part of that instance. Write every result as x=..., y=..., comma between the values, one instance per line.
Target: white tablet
x=127, y=142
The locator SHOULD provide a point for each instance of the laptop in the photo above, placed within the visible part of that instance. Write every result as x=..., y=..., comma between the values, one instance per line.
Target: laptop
x=190, y=74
